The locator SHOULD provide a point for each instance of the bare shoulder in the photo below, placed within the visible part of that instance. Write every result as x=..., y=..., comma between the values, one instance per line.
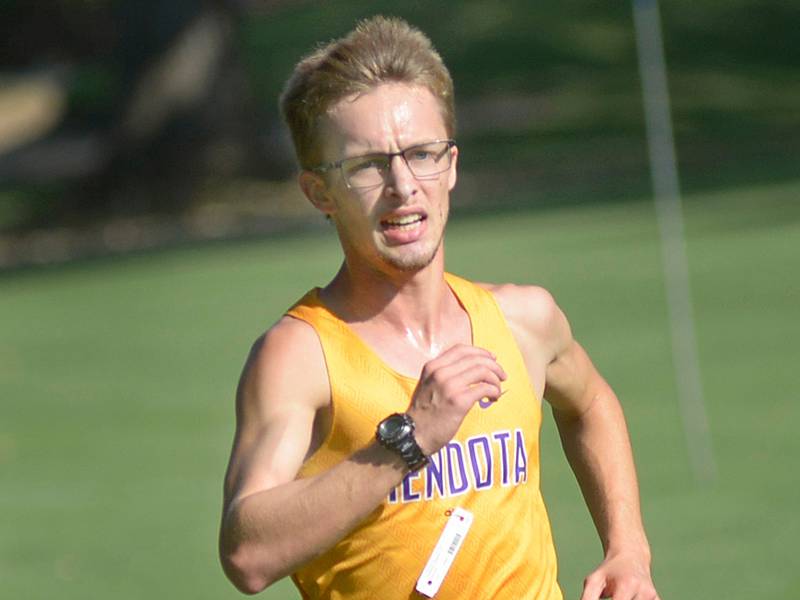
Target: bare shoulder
x=534, y=317
x=531, y=305
x=281, y=407
x=285, y=368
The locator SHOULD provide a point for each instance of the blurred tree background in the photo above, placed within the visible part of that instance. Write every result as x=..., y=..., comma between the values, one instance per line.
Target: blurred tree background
x=128, y=125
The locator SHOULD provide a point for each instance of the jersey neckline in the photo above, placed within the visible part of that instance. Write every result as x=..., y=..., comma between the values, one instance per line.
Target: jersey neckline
x=370, y=350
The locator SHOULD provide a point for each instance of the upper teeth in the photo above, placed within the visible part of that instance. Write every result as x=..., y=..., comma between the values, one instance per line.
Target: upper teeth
x=403, y=220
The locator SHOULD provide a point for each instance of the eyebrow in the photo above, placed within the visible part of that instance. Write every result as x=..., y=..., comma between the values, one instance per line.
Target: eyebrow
x=405, y=147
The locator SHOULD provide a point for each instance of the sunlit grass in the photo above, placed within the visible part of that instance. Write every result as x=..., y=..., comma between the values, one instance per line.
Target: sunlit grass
x=117, y=378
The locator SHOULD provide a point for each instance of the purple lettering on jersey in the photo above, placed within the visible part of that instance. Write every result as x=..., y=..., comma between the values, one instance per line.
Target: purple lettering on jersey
x=434, y=474
x=409, y=495
x=502, y=439
x=482, y=480
x=520, y=458
x=454, y=450
x=460, y=466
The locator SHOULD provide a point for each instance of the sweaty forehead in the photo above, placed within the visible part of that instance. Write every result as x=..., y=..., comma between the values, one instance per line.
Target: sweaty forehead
x=384, y=119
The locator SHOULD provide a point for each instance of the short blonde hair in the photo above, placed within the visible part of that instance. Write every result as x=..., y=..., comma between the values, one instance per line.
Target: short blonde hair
x=379, y=50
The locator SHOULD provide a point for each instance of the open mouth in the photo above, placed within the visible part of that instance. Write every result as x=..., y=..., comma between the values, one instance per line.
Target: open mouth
x=404, y=223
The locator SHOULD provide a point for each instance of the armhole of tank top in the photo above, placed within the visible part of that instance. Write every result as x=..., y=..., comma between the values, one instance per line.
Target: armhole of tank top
x=459, y=292
x=325, y=441
x=296, y=579
x=502, y=316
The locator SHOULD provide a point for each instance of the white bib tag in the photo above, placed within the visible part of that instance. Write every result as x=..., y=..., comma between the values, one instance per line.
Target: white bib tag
x=444, y=553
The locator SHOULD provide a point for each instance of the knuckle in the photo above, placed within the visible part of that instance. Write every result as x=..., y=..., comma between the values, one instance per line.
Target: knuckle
x=628, y=584
x=491, y=388
x=488, y=370
x=492, y=376
x=626, y=581
x=449, y=390
x=439, y=378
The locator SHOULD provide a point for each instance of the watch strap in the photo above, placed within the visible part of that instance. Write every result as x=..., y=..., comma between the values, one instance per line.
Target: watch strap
x=411, y=453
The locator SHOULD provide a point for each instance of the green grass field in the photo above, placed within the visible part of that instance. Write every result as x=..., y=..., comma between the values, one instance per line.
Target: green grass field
x=117, y=379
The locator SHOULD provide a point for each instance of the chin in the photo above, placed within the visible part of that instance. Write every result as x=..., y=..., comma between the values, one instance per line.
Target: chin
x=412, y=261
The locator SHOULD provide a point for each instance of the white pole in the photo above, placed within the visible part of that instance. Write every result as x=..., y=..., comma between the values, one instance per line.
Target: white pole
x=669, y=213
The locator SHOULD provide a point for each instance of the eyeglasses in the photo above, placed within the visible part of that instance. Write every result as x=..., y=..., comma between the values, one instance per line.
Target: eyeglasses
x=423, y=160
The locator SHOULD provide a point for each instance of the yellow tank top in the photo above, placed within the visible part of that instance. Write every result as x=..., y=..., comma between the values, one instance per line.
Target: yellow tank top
x=490, y=468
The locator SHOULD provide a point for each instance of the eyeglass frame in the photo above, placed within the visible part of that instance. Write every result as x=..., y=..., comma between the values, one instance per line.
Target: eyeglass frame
x=326, y=167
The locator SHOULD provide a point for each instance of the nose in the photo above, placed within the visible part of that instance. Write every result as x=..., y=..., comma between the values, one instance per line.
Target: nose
x=400, y=181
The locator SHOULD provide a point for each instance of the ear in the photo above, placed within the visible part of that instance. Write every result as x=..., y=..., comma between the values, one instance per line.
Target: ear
x=452, y=177
x=315, y=189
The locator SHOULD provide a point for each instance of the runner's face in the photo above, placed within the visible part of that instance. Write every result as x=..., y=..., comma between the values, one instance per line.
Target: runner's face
x=399, y=223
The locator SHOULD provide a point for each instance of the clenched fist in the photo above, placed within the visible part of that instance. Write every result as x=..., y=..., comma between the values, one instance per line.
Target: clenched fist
x=448, y=387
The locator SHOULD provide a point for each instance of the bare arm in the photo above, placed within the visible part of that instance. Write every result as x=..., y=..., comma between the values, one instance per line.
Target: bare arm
x=595, y=440
x=271, y=521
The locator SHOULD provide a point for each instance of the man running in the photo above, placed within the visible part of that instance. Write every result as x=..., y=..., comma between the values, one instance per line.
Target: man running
x=387, y=439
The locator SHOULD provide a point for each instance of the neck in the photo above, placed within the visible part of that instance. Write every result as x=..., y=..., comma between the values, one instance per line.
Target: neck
x=410, y=303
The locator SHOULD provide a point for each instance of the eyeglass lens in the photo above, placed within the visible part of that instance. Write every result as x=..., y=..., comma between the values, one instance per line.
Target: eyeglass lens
x=424, y=160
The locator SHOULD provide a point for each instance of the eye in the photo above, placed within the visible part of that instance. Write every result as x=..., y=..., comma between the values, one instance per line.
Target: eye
x=366, y=163
x=419, y=154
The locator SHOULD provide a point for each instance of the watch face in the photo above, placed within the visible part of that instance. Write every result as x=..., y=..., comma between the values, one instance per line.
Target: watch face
x=393, y=427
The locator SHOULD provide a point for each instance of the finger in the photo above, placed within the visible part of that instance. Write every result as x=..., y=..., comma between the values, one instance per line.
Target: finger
x=478, y=374
x=451, y=380
x=466, y=368
x=593, y=586
x=629, y=590
x=649, y=593
x=494, y=399
x=480, y=391
x=458, y=349
x=459, y=352
x=456, y=354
